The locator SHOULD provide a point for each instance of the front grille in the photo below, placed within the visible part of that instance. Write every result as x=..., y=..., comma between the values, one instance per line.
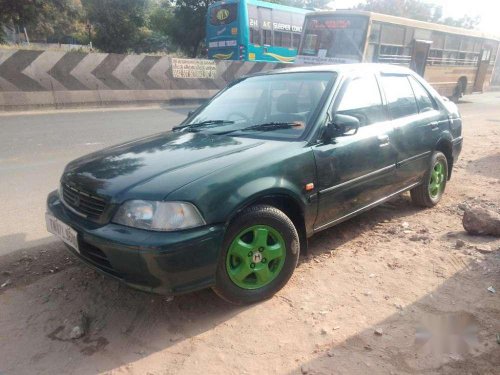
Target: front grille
x=89, y=205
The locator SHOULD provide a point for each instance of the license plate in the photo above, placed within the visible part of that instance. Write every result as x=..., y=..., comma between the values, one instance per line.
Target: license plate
x=63, y=231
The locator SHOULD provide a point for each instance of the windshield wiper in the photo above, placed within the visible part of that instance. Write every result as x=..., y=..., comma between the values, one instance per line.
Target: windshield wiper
x=203, y=123
x=266, y=127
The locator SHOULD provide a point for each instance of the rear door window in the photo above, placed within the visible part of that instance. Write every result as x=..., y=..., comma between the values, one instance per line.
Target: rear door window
x=401, y=101
x=424, y=100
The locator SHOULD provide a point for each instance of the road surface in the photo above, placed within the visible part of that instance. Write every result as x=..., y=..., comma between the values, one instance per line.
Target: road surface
x=35, y=147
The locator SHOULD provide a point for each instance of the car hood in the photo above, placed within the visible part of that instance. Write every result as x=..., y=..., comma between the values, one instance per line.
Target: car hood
x=152, y=167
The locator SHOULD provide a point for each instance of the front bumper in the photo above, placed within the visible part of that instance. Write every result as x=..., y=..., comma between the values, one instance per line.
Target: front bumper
x=158, y=262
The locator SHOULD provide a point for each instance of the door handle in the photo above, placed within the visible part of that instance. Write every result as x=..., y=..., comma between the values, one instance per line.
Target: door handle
x=434, y=125
x=384, y=140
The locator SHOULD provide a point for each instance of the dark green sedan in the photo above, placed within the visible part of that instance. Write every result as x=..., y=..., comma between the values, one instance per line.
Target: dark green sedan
x=228, y=198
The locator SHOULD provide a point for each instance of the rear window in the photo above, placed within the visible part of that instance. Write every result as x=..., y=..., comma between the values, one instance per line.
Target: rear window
x=400, y=98
x=223, y=14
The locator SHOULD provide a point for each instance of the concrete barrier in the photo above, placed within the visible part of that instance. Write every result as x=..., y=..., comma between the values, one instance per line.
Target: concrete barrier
x=32, y=79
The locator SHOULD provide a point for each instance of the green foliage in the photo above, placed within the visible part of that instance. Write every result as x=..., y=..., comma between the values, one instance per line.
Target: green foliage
x=417, y=10
x=187, y=26
x=118, y=24
x=309, y=4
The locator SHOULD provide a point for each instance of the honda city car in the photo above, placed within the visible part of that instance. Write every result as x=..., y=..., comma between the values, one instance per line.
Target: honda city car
x=228, y=198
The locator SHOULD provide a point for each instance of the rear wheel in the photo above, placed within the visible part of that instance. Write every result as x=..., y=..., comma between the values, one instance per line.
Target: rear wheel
x=430, y=192
x=260, y=253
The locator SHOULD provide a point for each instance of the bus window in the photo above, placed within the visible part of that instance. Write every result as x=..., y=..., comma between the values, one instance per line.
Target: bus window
x=282, y=39
x=339, y=37
x=223, y=14
x=265, y=22
x=253, y=22
x=295, y=40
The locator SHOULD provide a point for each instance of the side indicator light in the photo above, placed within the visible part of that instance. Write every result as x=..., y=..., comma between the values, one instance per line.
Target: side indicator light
x=310, y=187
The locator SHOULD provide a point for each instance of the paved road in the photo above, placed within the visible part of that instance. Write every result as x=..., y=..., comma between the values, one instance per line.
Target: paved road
x=34, y=148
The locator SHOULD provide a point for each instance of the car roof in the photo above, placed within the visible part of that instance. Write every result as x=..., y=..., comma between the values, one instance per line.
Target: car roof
x=344, y=69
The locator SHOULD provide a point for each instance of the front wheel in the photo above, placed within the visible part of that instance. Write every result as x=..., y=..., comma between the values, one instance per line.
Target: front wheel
x=260, y=253
x=430, y=192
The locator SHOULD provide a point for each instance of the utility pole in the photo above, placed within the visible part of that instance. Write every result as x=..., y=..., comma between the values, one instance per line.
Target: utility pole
x=89, y=30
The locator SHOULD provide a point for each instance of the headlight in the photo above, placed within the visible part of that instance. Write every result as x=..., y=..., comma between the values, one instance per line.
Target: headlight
x=158, y=216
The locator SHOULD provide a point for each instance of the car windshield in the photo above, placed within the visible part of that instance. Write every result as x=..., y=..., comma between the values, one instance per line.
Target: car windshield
x=270, y=100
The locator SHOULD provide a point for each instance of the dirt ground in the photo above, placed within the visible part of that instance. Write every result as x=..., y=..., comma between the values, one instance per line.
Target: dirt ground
x=398, y=290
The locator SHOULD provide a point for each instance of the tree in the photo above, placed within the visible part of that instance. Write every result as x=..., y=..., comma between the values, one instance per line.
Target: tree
x=56, y=21
x=187, y=26
x=43, y=19
x=418, y=10
x=119, y=25
x=309, y=4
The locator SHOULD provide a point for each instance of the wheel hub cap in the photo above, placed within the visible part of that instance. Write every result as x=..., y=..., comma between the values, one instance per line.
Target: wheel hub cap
x=255, y=257
x=438, y=179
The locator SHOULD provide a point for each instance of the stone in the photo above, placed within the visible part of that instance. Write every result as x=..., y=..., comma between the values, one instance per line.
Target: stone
x=485, y=249
x=304, y=370
x=481, y=221
x=76, y=333
x=330, y=353
x=460, y=243
x=379, y=332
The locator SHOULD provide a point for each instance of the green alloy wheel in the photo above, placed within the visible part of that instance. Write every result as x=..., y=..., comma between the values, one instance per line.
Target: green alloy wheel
x=256, y=257
x=430, y=192
x=438, y=177
x=259, y=254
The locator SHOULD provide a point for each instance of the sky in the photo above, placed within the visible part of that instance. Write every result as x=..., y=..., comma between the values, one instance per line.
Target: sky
x=489, y=10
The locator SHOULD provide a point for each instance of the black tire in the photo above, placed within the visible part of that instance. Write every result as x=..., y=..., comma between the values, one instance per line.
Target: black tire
x=421, y=195
x=258, y=215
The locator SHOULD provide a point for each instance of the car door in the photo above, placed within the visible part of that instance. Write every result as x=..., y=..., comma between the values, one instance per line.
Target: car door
x=417, y=124
x=357, y=170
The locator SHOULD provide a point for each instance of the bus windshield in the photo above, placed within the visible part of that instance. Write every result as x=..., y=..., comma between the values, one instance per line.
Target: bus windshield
x=338, y=38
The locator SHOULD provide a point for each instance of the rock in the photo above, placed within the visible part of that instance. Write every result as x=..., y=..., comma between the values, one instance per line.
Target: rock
x=481, y=221
x=74, y=327
x=6, y=283
x=405, y=225
x=460, y=243
x=323, y=331
x=485, y=249
x=379, y=332
x=76, y=333
x=330, y=353
x=304, y=369
x=491, y=290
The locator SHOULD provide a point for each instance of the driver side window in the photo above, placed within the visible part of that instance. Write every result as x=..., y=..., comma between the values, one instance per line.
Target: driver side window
x=362, y=100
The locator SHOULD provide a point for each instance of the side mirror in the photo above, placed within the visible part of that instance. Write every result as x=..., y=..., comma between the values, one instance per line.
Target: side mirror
x=341, y=126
